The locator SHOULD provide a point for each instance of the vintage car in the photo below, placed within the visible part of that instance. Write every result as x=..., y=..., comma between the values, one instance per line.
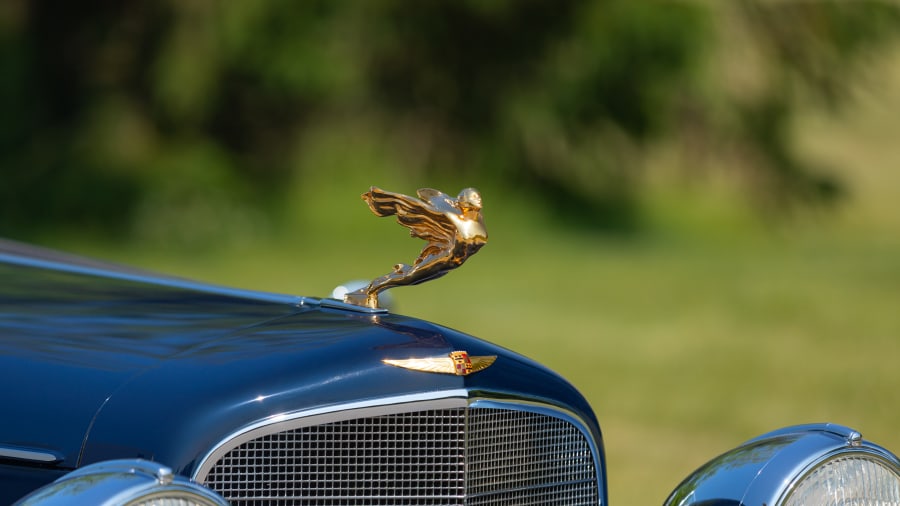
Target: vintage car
x=126, y=387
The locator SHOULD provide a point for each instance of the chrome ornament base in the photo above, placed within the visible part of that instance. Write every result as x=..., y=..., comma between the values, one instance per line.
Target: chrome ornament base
x=360, y=298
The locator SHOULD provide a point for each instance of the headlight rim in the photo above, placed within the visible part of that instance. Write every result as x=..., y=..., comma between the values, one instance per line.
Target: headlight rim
x=763, y=470
x=127, y=482
x=813, y=446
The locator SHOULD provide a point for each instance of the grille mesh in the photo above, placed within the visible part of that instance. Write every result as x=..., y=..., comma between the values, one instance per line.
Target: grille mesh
x=454, y=456
x=520, y=457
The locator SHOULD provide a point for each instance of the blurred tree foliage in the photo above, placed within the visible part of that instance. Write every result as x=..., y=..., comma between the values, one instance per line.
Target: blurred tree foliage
x=120, y=115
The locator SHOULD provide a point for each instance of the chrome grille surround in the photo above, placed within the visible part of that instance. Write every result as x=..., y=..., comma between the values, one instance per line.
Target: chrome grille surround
x=441, y=449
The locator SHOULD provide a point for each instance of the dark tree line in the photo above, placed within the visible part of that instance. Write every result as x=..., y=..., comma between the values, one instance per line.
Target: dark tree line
x=108, y=108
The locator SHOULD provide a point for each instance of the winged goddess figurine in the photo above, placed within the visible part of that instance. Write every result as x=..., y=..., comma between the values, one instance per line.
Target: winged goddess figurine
x=453, y=228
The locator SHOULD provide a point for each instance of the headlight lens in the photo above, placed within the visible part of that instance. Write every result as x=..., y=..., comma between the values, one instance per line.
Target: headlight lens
x=852, y=479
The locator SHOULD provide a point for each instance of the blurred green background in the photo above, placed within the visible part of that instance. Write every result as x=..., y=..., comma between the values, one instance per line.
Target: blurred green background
x=694, y=206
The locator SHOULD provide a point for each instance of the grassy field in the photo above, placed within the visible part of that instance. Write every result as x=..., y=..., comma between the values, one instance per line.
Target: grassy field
x=708, y=330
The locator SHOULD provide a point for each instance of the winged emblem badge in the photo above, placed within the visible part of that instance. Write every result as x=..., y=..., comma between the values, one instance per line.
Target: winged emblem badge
x=452, y=227
x=456, y=362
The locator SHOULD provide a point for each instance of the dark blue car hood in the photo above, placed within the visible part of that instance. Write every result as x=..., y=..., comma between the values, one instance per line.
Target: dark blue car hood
x=98, y=364
x=69, y=341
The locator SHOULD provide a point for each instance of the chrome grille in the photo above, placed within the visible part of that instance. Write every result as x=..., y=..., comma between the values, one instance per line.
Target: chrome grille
x=521, y=457
x=452, y=456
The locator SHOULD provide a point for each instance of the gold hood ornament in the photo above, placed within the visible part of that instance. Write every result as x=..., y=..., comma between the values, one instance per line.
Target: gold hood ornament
x=456, y=362
x=453, y=228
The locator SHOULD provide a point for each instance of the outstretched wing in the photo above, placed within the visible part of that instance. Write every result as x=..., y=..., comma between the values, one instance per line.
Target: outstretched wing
x=443, y=365
x=483, y=362
x=438, y=200
x=423, y=219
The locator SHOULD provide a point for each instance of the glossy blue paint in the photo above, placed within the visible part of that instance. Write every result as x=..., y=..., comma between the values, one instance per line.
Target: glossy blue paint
x=16, y=480
x=103, y=363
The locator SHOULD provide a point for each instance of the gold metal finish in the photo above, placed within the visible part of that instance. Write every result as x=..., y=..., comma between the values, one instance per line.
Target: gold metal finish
x=453, y=228
x=456, y=362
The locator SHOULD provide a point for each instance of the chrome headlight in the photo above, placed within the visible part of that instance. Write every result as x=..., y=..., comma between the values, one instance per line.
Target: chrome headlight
x=821, y=464
x=123, y=483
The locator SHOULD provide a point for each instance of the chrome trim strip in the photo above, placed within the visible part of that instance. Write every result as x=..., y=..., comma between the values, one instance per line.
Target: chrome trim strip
x=30, y=454
x=327, y=414
x=830, y=428
x=51, y=260
x=346, y=306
